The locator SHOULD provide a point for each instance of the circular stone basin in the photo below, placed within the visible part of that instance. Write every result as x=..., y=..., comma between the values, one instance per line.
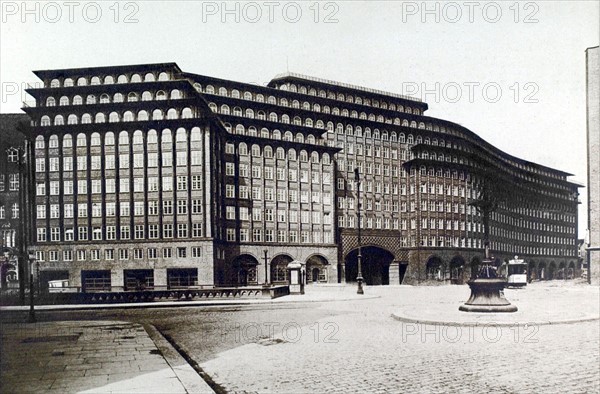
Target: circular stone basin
x=487, y=295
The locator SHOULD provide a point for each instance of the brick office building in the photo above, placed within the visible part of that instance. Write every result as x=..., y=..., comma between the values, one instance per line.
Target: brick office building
x=148, y=174
x=12, y=145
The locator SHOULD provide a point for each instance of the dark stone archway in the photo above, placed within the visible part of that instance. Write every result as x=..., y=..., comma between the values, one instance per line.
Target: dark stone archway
x=375, y=265
x=435, y=269
x=316, y=269
x=245, y=270
x=279, y=272
x=457, y=268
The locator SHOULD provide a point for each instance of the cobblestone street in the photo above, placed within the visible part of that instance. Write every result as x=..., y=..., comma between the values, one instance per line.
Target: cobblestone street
x=362, y=349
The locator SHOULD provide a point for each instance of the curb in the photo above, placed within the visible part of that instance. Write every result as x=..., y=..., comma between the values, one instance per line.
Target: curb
x=190, y=379
x=172, y=304
x=405, y=319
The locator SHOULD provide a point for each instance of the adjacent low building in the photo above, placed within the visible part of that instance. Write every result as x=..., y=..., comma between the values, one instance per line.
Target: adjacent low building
x=149, y=176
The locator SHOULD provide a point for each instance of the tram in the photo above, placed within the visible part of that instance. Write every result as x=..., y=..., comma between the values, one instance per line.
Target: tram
x=517, y=273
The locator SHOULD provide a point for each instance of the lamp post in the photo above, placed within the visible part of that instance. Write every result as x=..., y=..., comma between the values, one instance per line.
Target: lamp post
x=359, y=277
x=266, y=268
x=32, y=318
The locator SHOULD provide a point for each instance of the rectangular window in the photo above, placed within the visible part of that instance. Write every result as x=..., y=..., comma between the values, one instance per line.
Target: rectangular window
x=125, y=232
x=182, y=182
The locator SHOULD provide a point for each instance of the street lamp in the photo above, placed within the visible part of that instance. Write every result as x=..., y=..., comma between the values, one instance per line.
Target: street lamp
x=359, y=277
x=266, y=267
x=31, y=289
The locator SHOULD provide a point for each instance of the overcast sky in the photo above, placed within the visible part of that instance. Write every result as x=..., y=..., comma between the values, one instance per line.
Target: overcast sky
x=512, y=72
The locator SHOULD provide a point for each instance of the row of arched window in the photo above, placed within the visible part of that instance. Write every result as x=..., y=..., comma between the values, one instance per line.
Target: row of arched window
x=280, y=153
x=234, y=93
x=123, y=138
x=105, y=98
x=276, y=134
x=113, y=117
x=308, y=122
x=109, y=79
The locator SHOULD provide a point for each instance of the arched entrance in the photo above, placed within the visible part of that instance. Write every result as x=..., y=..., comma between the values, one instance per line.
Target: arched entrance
x=571, y=270
x=245, y=268
x=279, y=272
x=375, y=265
x=531, y=269
x=457, y=266
x=316, y=269
x=435, y=269
x=552, y=271
x=542, y=271
x=562, y=271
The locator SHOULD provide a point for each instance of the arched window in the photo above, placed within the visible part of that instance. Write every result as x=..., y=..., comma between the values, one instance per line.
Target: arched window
x=210, y=89
x=303, y=156
x=384, y=136
x=118, y=98
x=55, y=83
x=300, y=137
x=393, y=137
x=172, y=113
x=149, y=77
x=243, y=149
x=237, y=111
x=297, y=121
x=292, y=154
x=157, y=114
x=276, y=134
x=95, y=139
x=255, y=150
x=136, y=78
x=123, y=138
x=50, y=102
x=163, y=76
x=64, y=100
x=81, y=140
x=306, y=105
x=122, y=79
x=152, y=137
x=91, y=99
x=181, y=135
x=113, y=117
x=295, y=104
x=225, y=109
x=261, y=115
x=410, y=139
x=86, y=119
x=308, y=122
x=284, y=119
x=222, y=91
x=109, y=138
x=249, y=113
x=166, y=137
x=53, y=142
x=45, y=121
x=260, y=98
x=161, y=95
x=268, y=152
x=100, y=118
x=175, y=94
x=240, y=129
x=314, y=157
x=128, y=116
x=132, y=97
x=67, y=141
x=142, y=115
x=186, y=113
x=68, y=82
x=109, y=80
x=196, y=135
x=252, y=131
x=310, y=139
x=59, y=120
x=288, y=136
x=247, y=96
x=39, y=142
x=235, y=93
x=320, y=124
x=104, y=98
x=283, y=102
x=326, y=159
x=81, y=81
x=273, y=117
x=280, y=153
x=138, y=138
x=146, y=96
x=358, y=131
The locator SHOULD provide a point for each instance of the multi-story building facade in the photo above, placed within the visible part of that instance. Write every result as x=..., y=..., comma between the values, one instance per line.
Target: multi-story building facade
x=148, y=174
x=12, y=166
x=593, y=154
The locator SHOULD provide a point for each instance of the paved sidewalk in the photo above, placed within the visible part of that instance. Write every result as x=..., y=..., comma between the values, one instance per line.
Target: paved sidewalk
x=93, y=357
